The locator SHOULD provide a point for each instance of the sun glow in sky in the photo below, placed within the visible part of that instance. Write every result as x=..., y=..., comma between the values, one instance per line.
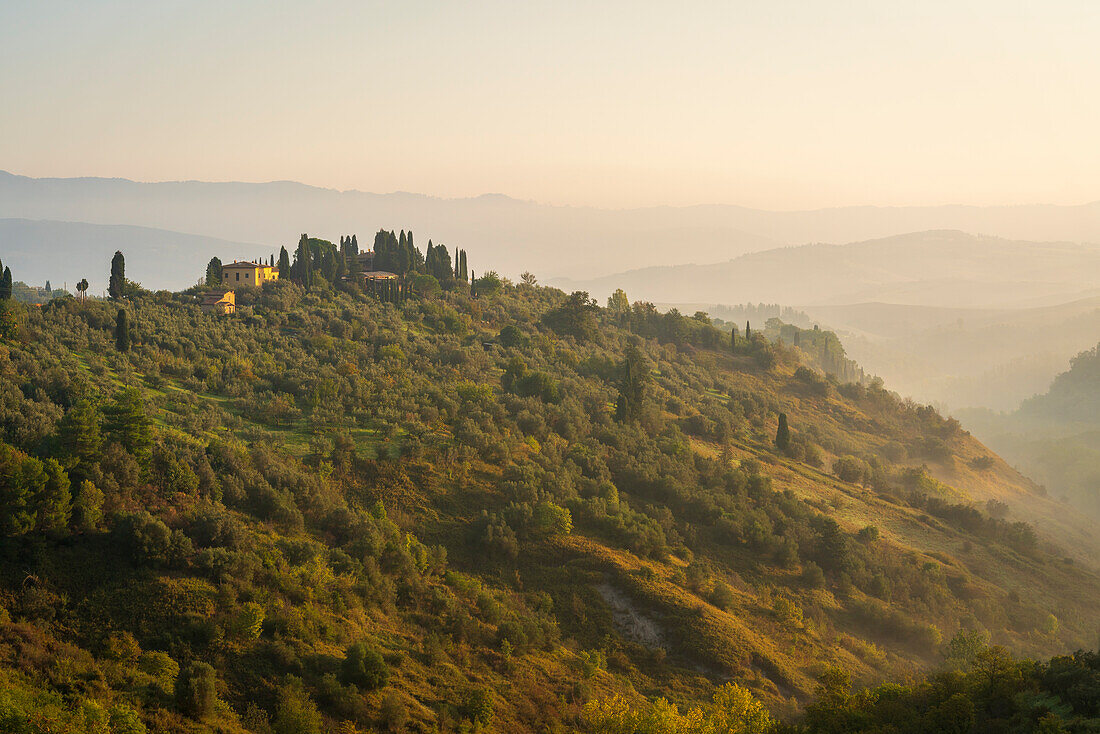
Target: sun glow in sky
x=782, y=104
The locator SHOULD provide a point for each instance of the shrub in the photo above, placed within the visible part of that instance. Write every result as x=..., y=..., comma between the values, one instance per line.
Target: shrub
x=364, y=667
x=296, y=713
x=478, y=707
x=195, y=691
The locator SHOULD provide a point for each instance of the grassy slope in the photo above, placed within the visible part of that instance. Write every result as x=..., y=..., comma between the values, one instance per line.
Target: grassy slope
x=773, y=652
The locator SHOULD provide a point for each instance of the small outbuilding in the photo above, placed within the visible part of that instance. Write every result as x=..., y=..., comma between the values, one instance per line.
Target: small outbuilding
x=220, y=301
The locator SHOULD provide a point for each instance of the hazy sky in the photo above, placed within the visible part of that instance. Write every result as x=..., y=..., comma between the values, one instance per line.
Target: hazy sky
x=778, y=104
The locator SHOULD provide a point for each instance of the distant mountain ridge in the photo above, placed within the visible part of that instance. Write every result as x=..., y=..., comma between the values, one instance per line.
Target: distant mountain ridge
x=552, y=241
x=942, y=268
x=65, y=252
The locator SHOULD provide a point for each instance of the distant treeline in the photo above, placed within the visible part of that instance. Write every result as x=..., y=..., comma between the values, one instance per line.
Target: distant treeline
x=823, y=348
x=758, y=314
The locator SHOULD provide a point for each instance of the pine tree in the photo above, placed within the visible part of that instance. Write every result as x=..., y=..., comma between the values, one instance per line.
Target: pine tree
x=783, y=434
x=82, y=288
x=117, y=286
x=214, y=272
x=122, y=331
x=127, y=422
x=53, y=502
x=80, y=434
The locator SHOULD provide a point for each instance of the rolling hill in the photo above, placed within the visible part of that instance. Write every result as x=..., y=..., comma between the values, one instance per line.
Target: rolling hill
x=484, y=508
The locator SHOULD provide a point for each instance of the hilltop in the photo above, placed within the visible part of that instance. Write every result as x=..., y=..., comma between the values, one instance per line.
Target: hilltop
x=484, y=502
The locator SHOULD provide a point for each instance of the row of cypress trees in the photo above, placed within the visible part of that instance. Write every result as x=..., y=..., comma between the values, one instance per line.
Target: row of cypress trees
x=398, y=253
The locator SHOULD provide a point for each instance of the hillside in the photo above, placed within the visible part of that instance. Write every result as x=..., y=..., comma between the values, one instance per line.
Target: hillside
x=1055, y=435
x=479, y=504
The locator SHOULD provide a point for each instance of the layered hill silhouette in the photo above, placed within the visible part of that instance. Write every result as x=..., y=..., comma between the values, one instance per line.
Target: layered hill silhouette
x=513, y=235
x=68, y=251
x=939, y=268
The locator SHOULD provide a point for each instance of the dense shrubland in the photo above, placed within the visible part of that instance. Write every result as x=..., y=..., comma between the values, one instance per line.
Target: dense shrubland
x=506, y=508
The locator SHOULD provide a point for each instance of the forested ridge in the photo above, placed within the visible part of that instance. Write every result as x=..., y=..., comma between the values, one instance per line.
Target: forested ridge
x=494, y=505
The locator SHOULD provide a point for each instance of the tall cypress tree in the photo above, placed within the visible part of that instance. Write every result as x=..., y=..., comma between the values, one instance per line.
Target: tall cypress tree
x=462, y=273
x=303, y=262
x=632, y=385
x=284, y=263
x=733, y=338
x=748, y=332
x=5, y=285
x=122, y=331
x=117, y=285
x=783, y=434
x=214, y=271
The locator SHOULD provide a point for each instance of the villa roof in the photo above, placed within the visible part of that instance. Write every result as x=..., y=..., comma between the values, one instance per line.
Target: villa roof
x=214, y=297
x=247, y=264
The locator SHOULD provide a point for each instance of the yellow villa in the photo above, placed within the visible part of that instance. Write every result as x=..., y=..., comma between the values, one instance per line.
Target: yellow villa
x=248, y=273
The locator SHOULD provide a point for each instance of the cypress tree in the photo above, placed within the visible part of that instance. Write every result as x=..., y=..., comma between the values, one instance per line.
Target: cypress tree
x=733, y=338
x=48, y=288
x=5, y=285
x=303, y=262
x=118, y=276
x=122, y=331
x=748, y=332
x=632, y=386
x=462, y=273
x=783, y=434
x=354, y=245
x=284, y=263
x=214, y=271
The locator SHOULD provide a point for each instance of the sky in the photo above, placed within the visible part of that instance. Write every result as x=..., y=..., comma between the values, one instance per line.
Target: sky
x=785, y=104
